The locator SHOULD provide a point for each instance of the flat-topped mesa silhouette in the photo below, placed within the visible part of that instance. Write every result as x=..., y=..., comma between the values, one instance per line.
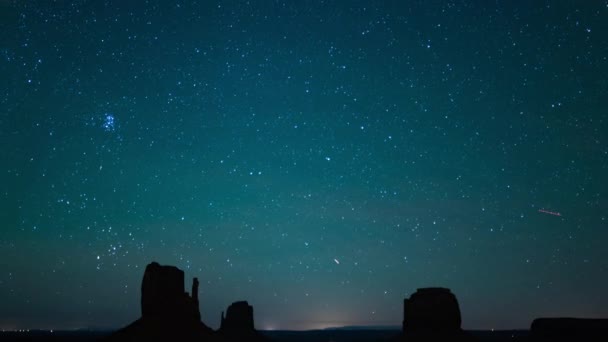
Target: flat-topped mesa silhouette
x=239, y=317
x=163, y=296
x=569, y=329
x=431, y=309
x=167, y=311
x=238, y=323
x=430, y=313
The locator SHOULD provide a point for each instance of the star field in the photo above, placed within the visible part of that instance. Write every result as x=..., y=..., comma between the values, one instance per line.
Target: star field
x=320, y=159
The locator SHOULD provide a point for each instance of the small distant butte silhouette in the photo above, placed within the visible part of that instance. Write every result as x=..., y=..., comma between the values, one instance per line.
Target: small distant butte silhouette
x=569, y=329
x=237, y=325
x=433, y=314
x=168, y=313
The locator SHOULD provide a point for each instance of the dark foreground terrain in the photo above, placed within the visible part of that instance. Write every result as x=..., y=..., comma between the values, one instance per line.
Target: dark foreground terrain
x=378, y=335
x=278, y=336
x=169, y=313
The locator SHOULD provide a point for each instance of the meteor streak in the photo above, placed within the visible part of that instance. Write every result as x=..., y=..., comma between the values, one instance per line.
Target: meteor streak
x=549, y=212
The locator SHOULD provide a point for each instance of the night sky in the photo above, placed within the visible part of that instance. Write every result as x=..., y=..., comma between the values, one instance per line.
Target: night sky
x=321, y=160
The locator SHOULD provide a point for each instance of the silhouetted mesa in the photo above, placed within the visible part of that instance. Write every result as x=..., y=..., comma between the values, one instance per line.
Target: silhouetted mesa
x=163, y=296
x=569, y=329
x=167, y=311
x=431, y=313
x=238, y=323
x=239, y=317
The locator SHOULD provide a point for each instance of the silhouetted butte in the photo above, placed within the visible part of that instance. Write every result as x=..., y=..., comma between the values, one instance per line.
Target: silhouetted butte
x=432, y=314
x=167, y=311
x=569, y=329
x=238, y=324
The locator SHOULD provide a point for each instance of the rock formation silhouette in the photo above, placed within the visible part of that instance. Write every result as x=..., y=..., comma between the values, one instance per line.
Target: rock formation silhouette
x=239, y=317
x=432, y=314
x=238, y=324
x=569, y=329
x=167, y=311
x=163, y=296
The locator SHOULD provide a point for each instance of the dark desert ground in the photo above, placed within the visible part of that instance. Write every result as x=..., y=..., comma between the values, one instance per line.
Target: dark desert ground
x=169, y=313
x=358, y=335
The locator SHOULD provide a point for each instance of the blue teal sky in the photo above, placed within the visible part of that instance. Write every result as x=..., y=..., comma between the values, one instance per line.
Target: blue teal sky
x=320, y=159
